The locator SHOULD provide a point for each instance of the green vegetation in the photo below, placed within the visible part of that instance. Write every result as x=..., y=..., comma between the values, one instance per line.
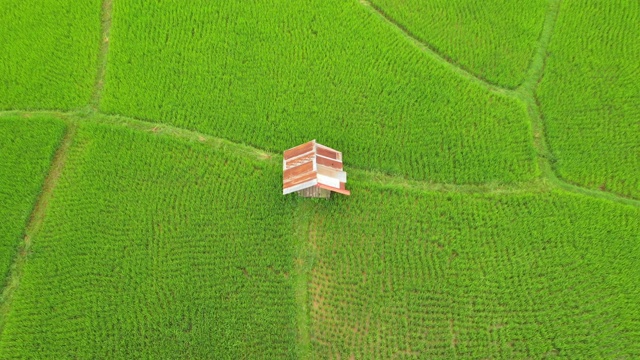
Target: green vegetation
x=272, y=75
x=410, y=274
x=156, y=248
x=49, y=53
x=26, y=150
x=493, y=39
x=590, y=95
x=148, y=222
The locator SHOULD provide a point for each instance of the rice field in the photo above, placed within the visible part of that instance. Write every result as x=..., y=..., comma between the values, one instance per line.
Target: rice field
x=153, y=241
x=492, y=157
x=274, y=74
x=49, y=53
x=409, y=274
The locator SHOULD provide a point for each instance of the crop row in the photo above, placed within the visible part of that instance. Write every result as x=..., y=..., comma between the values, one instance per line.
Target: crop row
x=401, y=273
x=274, y=75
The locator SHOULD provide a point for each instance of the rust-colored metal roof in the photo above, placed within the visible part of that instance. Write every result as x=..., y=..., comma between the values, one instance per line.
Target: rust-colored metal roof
x=300, y=149
x=312, y=164
x=335, y=164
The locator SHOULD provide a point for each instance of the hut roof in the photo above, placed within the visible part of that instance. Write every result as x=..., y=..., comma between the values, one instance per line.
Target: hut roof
x=313, y=165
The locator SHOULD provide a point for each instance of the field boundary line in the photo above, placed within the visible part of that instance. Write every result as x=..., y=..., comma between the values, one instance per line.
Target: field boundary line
x=34, y=224
x=541, y=184
x=548, y=181
x=56, y=113
x=107, y=9
x=396, y=181
x=526, y=92
x=433, y=53
x=535, y=71
x=303, y=263
x=177, y=132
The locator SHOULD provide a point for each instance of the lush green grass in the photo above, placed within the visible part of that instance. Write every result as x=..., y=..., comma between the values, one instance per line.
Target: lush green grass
x=409, y=274
x=275, y=74
x=26, y=151
x=590, y=95
x=493, y=39
x=155, y=248
x=49, y=53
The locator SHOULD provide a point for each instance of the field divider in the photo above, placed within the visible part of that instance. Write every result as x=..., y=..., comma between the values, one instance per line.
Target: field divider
x=538, y=61
x=433, y=53
x=35, y=222
x=303, y=263
x=396, y=181
x=546, y=159
x=548, y=181
x=161, y=129
x=107, y=9
x=526, y=93
x=25, y=113
x=355, y=173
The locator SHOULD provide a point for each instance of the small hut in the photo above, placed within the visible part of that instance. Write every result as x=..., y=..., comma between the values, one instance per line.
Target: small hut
x=313, y=170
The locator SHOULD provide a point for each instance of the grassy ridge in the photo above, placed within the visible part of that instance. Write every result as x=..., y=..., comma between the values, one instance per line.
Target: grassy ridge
x=26, y=150
x=590, y=94
x=493, y=39
x=49, y=53
x=273, y=75
x=404, y=273
x=156, y=248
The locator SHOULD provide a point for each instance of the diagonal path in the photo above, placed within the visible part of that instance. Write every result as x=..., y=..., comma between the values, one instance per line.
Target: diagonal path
x=35, y=223
x=428, y=49
x=533, y=73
